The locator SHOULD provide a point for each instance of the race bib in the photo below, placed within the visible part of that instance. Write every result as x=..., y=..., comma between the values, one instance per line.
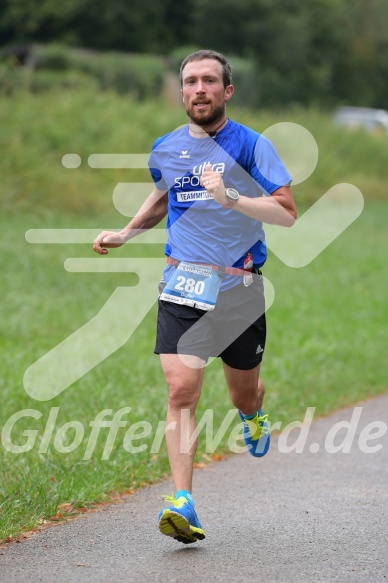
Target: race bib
x=193, y=285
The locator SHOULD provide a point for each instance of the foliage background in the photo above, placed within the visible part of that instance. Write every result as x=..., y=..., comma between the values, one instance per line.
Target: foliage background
x=321, y=52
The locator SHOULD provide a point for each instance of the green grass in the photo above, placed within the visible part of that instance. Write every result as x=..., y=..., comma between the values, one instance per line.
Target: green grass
x=326, y=344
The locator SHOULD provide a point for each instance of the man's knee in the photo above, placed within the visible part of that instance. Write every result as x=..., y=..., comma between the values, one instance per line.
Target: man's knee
x=181, y=395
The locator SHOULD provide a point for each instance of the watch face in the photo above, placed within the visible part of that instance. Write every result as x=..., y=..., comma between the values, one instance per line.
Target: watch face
x=232, y=194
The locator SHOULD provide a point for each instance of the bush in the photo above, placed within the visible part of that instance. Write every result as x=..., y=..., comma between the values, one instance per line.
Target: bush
x=45, y=80
x=53, y=57
x=141, y=75
x=13, y=81
x=54, y=65
x=245, y=81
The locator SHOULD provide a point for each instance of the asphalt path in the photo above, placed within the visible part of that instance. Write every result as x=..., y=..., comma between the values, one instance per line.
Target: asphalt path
x=289, y=517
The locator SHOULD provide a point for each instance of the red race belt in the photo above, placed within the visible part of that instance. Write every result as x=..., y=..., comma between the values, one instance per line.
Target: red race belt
x=226, y=270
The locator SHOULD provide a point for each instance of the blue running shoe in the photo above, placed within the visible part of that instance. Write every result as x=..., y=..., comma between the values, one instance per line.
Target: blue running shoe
x=180, y=521
x=256, y=434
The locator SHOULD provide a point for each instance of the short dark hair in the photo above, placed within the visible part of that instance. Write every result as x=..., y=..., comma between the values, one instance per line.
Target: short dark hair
x=207, y=54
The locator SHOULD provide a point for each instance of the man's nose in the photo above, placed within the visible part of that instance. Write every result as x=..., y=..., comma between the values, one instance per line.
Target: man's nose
x=200, y=87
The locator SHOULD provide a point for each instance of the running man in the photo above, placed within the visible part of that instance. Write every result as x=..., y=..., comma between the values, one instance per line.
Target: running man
x=217, y=181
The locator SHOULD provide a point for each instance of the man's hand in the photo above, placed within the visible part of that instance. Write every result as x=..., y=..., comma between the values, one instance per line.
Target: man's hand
x=214, y=184
x=108, y=239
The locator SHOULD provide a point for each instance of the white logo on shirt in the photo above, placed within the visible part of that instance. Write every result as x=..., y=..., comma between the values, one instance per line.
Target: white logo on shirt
x=218, y=167
x=193, y=195
x=184, y=154
x=188, y=181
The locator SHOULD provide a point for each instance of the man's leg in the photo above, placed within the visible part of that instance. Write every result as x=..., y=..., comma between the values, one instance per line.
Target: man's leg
x=245, y=388
x=179, y=519
x=184, y=389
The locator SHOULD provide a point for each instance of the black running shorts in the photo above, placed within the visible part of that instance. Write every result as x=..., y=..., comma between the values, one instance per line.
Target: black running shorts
x=235, y=330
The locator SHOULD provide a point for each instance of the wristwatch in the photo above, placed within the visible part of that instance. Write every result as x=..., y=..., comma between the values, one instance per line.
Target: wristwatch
x=232, y=195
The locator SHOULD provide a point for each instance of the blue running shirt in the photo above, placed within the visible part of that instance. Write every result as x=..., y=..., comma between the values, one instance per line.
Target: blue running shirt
x=198, y=228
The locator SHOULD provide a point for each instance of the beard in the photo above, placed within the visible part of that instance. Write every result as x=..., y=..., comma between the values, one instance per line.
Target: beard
x=208, y=119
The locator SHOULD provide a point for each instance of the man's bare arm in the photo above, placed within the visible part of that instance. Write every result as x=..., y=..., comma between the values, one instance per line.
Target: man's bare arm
x=152, y=211
x=277, y=209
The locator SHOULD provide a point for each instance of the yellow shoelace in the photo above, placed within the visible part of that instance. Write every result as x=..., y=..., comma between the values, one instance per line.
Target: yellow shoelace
x=172, y=501
x=257, y=426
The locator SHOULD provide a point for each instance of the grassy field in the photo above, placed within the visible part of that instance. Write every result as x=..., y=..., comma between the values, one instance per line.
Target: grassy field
x=327, y=338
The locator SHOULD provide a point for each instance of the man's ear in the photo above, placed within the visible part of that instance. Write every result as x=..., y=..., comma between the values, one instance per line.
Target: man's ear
x=228, y=92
